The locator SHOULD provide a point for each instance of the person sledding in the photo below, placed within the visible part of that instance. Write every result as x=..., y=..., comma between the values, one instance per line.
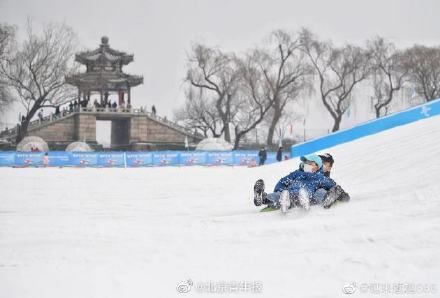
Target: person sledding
x=299, y=187
x=327, y=165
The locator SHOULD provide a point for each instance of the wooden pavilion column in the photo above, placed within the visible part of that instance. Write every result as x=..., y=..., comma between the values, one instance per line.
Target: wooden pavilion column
x=129, y=96
x=120, y=97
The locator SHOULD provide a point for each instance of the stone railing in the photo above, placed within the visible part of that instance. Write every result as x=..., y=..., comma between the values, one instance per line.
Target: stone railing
x=93, y=110
x=38, y=122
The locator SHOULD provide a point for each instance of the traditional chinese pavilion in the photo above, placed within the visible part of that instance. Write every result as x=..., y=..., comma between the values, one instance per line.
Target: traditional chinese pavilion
x=104, y=74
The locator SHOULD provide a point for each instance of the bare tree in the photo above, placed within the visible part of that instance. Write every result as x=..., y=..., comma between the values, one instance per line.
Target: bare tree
x=199, y=114
x=285, y=73
x=423, y=64
x=215, y=71
x=389, y=73
x=339, y=70
x=37, y=69
x=252, y=102
x=7, y=44
x=286, y=122
x=5, y=97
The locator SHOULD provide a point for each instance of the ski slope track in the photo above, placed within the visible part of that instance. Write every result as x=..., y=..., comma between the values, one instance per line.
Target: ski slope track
x=140, y=232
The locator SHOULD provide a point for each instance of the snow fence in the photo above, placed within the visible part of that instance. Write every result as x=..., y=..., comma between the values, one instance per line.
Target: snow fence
x=133, y=159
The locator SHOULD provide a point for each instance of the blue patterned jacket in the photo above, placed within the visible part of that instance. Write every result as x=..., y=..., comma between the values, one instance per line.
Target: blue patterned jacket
x=300, y=179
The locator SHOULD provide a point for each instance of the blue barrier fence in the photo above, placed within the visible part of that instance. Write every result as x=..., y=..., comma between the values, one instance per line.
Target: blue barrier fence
x=369, y=128
x=132, y=159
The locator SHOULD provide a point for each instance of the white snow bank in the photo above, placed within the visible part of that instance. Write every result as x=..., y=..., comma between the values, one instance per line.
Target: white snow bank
x=139, y=232
x=78, y=147
x=214, y=144
x=32, y=142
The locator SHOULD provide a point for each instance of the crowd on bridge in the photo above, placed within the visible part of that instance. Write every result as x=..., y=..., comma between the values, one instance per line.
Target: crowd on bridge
x=104, y=105
x=74, y=106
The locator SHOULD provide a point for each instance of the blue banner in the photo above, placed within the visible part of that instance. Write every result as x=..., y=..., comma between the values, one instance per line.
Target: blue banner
x=166, y=158
x=84, y=159
x=220, y=158
x=111, y=159
x=246, y=158
x=132, y=159
x=7, y=158
x=139, y=159
x=272, y=157
x=193, y=158
x=29, y=159
x=59, y=158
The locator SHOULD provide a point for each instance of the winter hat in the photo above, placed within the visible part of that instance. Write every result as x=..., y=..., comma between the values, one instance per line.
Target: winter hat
x=312, y=157
x=326, y=157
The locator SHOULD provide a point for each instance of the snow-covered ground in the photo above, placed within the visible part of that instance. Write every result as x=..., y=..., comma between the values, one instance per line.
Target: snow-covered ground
x=139, y=232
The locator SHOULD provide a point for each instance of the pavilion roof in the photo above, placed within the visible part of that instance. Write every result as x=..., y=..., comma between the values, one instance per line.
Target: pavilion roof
x=104, y=80
x=103, y=53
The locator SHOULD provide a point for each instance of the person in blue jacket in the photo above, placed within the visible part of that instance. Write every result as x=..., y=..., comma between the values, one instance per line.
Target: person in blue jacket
x=298, y=188
x=327, y=165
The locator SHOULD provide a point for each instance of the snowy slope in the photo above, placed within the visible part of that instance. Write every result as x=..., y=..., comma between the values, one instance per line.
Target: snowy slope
x=139, y=232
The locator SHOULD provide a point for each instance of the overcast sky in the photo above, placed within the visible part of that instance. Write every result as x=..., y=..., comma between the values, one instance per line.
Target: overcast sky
x=160, y=32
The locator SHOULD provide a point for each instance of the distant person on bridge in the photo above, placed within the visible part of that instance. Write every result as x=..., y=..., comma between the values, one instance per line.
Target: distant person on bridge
x=40, y=115
x=153, y=110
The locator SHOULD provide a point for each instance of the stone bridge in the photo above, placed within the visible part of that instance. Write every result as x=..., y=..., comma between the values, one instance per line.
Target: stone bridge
x=131, y=129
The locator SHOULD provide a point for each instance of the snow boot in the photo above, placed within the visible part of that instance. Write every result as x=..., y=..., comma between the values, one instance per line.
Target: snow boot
x=304, y=199
x=259, y=194
x=285, y=201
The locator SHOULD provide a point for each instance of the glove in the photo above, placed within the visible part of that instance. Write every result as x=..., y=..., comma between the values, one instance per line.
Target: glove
x=336, y=193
